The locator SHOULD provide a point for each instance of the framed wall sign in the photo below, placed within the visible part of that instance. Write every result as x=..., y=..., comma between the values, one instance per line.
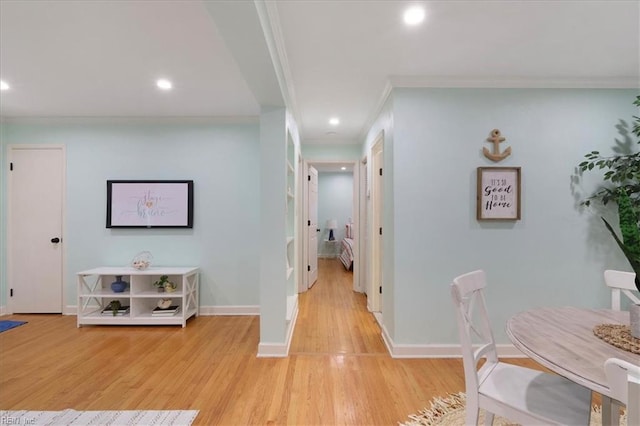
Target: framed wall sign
x=149, y=204
x=498, y=196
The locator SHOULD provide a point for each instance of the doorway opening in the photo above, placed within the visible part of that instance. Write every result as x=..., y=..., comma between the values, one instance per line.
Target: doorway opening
x=336, y=215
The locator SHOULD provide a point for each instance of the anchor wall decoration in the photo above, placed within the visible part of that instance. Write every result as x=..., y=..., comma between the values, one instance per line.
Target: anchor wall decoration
x=496, y=138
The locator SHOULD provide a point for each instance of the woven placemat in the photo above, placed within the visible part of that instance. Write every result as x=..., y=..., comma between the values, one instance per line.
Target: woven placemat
x=618, y=336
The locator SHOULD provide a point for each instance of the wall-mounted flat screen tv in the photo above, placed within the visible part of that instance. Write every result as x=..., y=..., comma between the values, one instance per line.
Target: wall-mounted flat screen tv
x=149, y=204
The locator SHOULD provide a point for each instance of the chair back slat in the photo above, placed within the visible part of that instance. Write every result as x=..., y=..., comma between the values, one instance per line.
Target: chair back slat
x=476, y=336
x=620, y=283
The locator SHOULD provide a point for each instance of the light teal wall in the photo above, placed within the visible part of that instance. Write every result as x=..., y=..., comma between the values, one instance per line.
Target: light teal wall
x=223, y=161
x=273, y=205
x=333, y=152
x=555, y=255
x=335, y=201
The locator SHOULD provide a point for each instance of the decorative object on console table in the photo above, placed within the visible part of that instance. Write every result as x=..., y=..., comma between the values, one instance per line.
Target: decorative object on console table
x=115, y=308
x=498, y=193
x=119, y=286
x=331, y=225
x=163, y=284
x=169, y=311
x=142, y=260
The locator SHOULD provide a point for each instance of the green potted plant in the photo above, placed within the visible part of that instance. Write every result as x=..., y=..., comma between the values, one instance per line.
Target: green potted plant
x=115, y=305
x=164, y=284
x=621, y=186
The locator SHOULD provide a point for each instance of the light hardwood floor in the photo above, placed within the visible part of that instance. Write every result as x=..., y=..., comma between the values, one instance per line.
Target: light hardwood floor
x=338, y=371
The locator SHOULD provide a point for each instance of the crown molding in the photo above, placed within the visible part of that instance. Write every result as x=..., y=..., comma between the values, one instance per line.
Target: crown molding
x=270, y=21
x=397, y=81
x=382, y=99
x=514, y=82
x=131, y=120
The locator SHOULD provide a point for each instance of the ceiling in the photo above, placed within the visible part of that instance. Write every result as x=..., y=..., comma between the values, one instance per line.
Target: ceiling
x=320, y=58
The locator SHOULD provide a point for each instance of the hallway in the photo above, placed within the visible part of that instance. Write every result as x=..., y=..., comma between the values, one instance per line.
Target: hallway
x=333, y=319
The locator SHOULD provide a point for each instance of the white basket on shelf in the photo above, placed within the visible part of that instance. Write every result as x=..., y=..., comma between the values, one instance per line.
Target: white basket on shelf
x=142, y=260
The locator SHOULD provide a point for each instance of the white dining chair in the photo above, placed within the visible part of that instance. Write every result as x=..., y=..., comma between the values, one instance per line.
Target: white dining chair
x=624, y=382
x=620, y=283
x=523, y=395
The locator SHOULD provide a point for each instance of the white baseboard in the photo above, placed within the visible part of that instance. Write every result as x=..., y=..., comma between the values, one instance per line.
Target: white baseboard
x=230, y=310
x=3, y=310
x=204, y=310
x=279, y=350
x=397, y=350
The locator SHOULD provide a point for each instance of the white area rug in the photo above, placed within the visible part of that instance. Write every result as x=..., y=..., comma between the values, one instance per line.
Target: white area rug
x=99, y=418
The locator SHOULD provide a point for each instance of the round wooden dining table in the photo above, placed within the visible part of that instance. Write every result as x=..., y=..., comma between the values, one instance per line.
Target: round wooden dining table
x=562, y=339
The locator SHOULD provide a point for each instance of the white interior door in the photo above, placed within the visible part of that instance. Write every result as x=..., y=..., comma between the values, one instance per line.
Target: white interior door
x=363, y=228
x=376, y=231
x=36, y=190
x=312, y=227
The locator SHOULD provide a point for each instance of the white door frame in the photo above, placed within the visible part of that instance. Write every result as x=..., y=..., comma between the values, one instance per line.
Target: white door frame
x=10, y=243
x=375, y=263
x=363, y=231
x=357, y=272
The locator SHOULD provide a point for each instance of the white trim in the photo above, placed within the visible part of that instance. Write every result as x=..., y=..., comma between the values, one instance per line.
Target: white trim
x=332, y=141
x=229, y=310
x=513, y=82
x=239, y=310
x=3, y=310
x=386, y=92
x=279, y=350
x=375, y=218
x=397, y=350
x=274, y=38
x=357, y=284
x=253, y=119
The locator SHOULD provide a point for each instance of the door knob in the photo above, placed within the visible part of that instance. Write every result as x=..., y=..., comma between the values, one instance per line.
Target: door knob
x=55, y=240
x=318, y=230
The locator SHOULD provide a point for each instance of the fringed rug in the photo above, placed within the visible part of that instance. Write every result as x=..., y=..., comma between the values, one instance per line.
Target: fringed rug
x=113, y=418
x=449, y=411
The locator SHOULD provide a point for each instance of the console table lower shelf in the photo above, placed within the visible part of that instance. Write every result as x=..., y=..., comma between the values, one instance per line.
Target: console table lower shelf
x=139, y=302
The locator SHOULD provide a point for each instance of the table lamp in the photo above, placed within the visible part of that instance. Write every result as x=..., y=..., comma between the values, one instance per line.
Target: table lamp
x=332, y=224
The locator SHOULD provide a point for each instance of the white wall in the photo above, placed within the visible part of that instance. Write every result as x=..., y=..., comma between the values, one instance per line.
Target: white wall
x=554, y=256
x=335, y=201
x=224, y=162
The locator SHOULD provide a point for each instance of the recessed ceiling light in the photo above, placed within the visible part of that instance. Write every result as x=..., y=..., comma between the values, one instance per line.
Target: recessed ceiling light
x=343, y=168
x=4, y=85
x=334, y=121
x=164, y=84
x=414, y=15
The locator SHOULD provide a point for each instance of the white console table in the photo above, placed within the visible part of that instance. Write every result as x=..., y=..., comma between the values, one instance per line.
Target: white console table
x=95, y=294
